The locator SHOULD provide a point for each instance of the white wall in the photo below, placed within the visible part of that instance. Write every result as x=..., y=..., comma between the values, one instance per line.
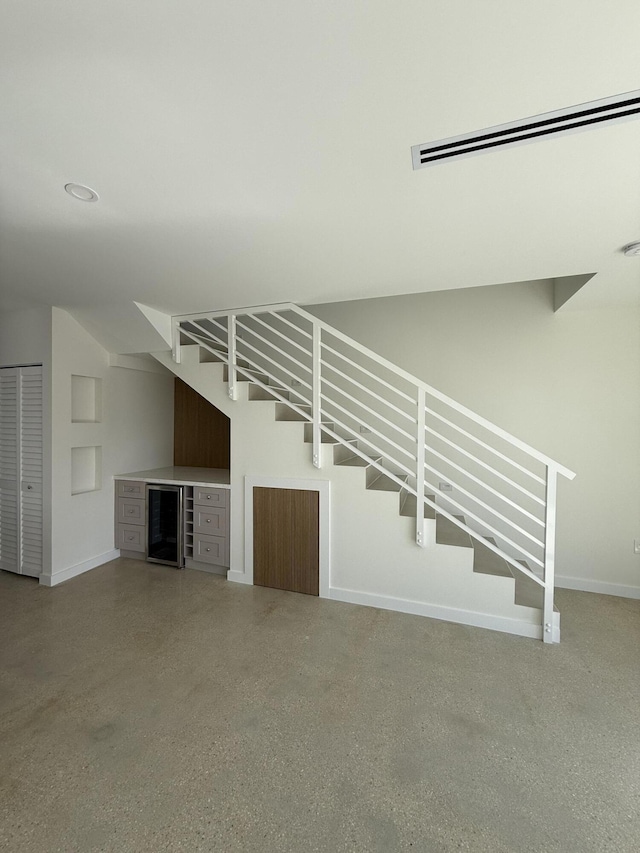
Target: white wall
x=25, y=337
x=136, y=432
x=566, y=383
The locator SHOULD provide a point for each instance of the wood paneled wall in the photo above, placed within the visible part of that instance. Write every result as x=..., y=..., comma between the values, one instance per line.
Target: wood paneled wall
x=201, y=432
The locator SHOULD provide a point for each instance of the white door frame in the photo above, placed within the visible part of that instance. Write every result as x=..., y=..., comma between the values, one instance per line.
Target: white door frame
x=324, y=489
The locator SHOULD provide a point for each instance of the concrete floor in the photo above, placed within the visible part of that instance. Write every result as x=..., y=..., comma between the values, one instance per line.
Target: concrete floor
x=146, y=709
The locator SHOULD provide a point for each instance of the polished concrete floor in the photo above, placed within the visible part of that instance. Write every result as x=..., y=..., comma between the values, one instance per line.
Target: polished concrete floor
x=146, y=709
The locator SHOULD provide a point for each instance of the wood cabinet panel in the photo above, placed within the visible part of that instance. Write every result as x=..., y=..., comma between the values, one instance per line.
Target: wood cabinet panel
x=201, y=432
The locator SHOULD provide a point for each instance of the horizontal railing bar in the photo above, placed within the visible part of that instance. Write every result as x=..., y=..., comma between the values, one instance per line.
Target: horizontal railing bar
x=210, y=320
x=376, y=464
x=480, y=538
x=247, y=309
x=486, y=446
x=379, y=379
x=433, y=452
x=373, y=429
x=260, y=369
x=289, y=323
x=275, y=391
x=282, y=335
x=485, y=505
x=433, y=392
x=486, y=466
x=368, y=443
x=245, y=343
x=369, y=391
x=253, y=332
x=493, y=530
x=364, y=406
x=223, y=354
x=373, y=461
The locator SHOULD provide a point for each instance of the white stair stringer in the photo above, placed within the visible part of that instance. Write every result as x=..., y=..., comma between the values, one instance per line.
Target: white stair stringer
x=373, y=558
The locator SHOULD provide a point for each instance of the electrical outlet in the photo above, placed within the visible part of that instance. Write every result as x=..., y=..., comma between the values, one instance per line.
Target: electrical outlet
x=445, y=487
x=636, y=546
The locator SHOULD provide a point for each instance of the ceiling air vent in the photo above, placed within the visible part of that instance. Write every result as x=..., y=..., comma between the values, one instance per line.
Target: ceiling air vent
x=570, y=120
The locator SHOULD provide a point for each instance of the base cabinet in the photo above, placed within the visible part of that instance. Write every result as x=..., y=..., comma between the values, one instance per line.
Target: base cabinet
x=206, y=524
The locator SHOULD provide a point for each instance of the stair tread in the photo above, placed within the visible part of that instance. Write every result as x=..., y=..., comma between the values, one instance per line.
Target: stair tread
x=382, y=483
x=257, y=392
x=410, y=503
x=324, y=438
x=448, y=533
x=284, y=412
x=528, y=592
x=487, y=562
x=354, y=461
x=247, y=374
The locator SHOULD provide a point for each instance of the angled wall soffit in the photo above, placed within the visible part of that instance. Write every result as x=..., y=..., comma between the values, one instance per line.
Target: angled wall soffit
x=567, y=286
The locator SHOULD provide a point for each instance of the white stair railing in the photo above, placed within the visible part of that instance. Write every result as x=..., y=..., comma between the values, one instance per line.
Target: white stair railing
x=499, y=489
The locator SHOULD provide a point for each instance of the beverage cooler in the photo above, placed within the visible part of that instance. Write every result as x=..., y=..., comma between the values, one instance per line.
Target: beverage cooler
x=165, y=524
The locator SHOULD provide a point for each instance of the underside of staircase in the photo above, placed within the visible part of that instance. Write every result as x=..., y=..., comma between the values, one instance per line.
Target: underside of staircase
x=445, y=528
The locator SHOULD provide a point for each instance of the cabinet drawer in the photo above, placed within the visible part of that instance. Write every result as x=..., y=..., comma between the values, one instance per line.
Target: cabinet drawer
x=130, y=538
x=210, y=520
x=210, y=497
x=130, y=489
x=130, y=511
x=211, y=549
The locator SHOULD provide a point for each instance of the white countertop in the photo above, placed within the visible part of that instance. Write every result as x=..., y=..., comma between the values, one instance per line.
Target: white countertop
x=182, y=476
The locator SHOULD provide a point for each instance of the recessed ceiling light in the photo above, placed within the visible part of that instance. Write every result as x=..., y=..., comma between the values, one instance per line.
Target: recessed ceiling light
x=632, y=249
x=81, y=192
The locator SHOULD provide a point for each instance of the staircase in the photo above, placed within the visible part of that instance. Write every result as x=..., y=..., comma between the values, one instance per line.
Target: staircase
x=463, y=481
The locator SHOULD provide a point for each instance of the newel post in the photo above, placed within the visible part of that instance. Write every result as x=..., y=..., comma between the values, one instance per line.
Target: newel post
x=316, y=396
x=231, y=348
x=420, y=537
x=549, y=554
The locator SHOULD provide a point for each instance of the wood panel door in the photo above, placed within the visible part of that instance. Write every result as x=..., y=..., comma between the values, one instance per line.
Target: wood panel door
x=286, y=537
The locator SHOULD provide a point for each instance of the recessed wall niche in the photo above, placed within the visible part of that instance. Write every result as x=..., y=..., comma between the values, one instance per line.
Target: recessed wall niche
x=86, y=469
x=86, y=399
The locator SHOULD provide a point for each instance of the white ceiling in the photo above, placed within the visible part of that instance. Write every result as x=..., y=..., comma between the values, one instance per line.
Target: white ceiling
x=248, y=152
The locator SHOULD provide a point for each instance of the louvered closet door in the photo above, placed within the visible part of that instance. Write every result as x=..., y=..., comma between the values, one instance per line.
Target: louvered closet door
x=31, y=471
x=9, y=469
x=21, y=470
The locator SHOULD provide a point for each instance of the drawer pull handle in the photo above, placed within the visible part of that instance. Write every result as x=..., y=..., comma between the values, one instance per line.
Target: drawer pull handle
x=208, y=520
x=208, y=549
x=208, y=497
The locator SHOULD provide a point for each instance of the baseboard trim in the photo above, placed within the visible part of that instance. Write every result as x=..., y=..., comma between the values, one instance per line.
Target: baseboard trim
x=505, y=624
x=238, y=577
x=79, y=569
x=601, y=587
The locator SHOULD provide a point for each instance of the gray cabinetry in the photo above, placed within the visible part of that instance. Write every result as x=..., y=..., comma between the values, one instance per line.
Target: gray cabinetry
x=130, y=516
x=206, y=522
x=211, y=526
